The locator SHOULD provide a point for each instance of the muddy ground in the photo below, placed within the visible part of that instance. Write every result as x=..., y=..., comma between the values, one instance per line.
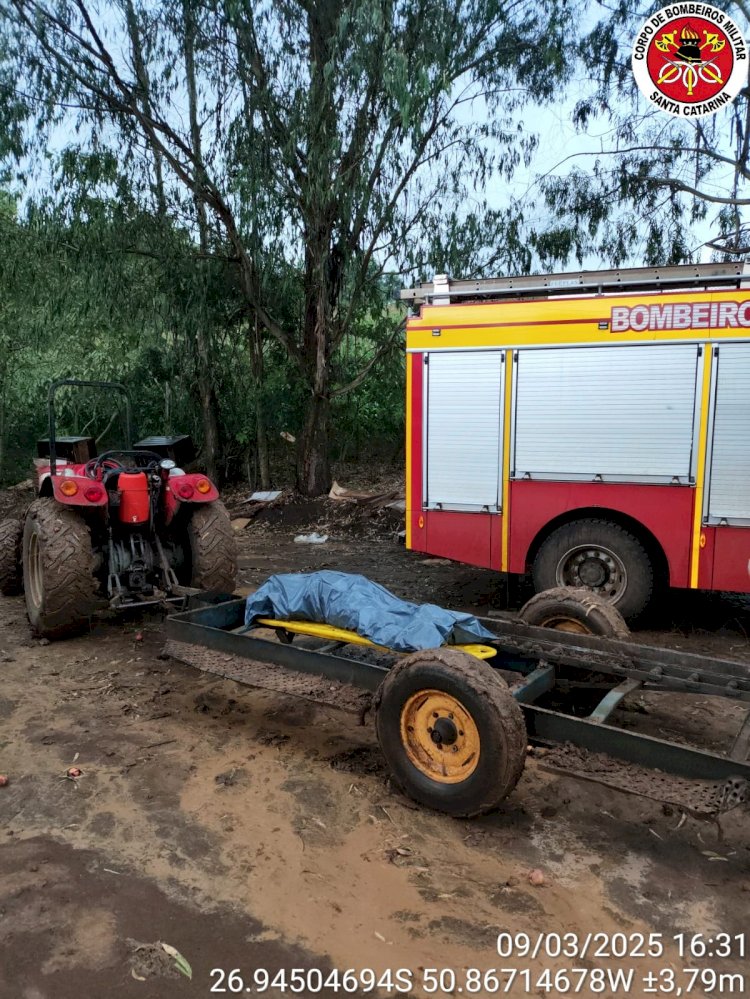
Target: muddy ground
x=252, y=830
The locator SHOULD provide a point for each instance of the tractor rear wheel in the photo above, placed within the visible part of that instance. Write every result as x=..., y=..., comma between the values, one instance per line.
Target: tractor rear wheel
x=212, y=548
x=451, y=732
x=58, y=570
x=11, y=532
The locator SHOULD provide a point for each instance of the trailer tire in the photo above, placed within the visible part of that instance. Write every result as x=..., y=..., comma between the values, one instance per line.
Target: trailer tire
x=579, y=611
x=474, y=760
x=601, y=556
x=58, y=570
x=11, y=579
x=212, y=548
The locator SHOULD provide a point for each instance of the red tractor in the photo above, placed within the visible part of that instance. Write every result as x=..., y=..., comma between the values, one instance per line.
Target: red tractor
x=126, y=527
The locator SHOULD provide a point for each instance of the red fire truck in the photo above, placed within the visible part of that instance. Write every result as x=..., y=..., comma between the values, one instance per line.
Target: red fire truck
x=592, y=429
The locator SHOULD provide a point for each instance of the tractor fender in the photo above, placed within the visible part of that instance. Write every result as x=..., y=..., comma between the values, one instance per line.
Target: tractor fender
x=189, y=489
x=87, y=492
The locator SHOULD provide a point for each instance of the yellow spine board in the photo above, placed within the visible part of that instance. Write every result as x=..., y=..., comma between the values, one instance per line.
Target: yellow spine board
x=317, y=630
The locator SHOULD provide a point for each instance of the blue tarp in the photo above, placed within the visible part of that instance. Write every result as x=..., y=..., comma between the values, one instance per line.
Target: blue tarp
x=356, y=603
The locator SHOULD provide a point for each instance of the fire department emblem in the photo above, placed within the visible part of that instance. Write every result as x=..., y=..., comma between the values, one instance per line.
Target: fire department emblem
x=690, y=59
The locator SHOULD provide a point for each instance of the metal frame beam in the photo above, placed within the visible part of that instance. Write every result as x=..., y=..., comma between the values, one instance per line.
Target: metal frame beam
x=211, y=627
x=609, y=702
x=537, y=683
x=658, y=669
x=633, y=747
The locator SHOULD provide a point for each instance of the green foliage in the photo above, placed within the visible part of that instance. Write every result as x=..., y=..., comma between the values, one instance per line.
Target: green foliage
x=105, y=313
x=238, y=180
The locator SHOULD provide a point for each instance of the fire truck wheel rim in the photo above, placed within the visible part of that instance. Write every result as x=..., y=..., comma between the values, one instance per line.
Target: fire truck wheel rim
x=440, y=736
x=35, y=570
x=594, y=568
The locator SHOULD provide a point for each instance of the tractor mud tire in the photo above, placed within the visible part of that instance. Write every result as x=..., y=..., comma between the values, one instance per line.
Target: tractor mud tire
x=600, y=556
x=212, y=549
x=575, y=610
x=11, y=578
x=58, y=570
x=470, y=763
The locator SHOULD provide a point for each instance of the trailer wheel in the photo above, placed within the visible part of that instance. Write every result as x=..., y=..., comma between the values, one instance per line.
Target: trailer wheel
x=212, y=548
x=58, y=570
x=578, y=611
x=600, y=556
x=11, y=581
x=452, y=734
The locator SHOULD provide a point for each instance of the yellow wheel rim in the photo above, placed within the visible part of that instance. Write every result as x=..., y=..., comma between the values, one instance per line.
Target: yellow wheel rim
x=567, y=624
x=440, y=736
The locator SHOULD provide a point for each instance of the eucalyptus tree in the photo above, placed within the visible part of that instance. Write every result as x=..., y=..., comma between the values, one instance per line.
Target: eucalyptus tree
x=315, y=144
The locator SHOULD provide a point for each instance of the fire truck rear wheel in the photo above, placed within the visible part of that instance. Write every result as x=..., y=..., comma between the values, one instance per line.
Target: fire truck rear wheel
x=11, y=532
x=601, y=556
x=452, y=734
x=212, y=548
x=58, y=570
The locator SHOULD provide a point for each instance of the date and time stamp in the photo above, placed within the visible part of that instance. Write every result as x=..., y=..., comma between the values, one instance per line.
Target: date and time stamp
x=543, y=964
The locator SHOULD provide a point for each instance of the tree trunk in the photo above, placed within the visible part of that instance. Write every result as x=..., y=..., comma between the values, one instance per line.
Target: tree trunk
x=261, y=435
x=313, y=465
x=210, y=434
x=323, y=275
x=2, y=431
x=206, y=390
x=209, y=420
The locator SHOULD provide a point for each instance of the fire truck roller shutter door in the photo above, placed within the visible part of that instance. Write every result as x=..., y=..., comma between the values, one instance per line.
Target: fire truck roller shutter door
x=729, y=469
x=464, y=429
x=625, y=413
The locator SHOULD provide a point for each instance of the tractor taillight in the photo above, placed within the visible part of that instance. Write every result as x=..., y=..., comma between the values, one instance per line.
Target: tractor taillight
x=203, y=486
x=68, y=487
x=185, y=490
x=93, y=494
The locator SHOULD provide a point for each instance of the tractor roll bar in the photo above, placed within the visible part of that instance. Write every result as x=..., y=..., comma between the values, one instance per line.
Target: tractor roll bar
x=77, y=383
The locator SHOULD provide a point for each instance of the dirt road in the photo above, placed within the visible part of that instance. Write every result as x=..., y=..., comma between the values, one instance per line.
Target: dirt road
x=249, y=830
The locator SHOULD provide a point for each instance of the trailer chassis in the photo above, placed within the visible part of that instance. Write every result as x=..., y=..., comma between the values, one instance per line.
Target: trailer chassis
x=567, y=685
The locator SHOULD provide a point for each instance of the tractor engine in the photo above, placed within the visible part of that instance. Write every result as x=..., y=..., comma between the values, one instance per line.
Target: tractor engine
x=139, y=561
x=131, y=562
